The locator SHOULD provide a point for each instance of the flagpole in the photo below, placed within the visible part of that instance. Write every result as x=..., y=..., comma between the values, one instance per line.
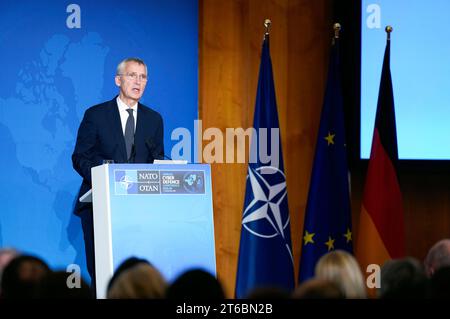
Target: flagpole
x=388, y=30
x=267, y=24
x=337, y=29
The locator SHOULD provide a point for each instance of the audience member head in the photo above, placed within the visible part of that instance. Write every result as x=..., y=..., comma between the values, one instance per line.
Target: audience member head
x=141, y=281
x=403, y=278
x=55, y=285
x=21, y=276
x=440, y=284
x=342, y=268
x=196, y=284
x=6, y=255
x=438, y=256
x=318, y=289
x=268, y=293
x=125, y=265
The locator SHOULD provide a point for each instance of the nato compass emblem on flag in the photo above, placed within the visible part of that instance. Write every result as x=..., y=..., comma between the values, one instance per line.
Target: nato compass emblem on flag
x=266, y=215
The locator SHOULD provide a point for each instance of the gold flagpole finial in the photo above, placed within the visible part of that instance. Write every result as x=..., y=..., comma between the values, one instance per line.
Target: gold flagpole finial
x=267, y=24
x=388, y=30
x=337, y=28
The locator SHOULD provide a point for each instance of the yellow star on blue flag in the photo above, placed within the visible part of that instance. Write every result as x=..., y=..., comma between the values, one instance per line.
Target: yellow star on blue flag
x=308, y=238
x=348, y=235
x=330, y=243
x=330, y=138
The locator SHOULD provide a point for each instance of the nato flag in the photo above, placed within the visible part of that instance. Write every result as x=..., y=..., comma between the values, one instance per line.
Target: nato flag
x=265, y=254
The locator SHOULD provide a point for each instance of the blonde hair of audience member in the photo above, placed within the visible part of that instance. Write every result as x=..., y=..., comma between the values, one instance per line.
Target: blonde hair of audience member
x=139, y=282
x=316, y=288
x=342, y=268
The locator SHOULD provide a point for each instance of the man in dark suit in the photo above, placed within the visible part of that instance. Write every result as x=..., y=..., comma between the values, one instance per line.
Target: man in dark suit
x=121, y=130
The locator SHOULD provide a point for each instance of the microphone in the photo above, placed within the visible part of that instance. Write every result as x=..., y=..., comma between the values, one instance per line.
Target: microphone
x=152, y=149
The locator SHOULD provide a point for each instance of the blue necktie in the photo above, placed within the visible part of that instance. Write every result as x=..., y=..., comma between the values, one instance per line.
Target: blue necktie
x=129, y=132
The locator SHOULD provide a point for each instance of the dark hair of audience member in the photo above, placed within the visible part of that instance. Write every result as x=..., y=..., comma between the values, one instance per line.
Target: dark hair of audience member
x=315, y=288
x=6, y=255
x=437, y=257
x=21, y=276
x=403, y=279
x=125, y=265
x=268, y=293
x=440, y=284
x=196, y=284
x=58, y=285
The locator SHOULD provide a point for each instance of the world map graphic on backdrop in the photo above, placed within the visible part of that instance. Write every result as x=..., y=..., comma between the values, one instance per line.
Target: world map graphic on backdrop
x=38, y=120
x=57, y=62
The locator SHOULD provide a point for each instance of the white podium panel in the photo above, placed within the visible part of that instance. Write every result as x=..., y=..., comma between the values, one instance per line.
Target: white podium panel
x=162, y=213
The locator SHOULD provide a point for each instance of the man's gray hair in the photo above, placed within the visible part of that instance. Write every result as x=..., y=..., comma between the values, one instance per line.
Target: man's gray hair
x=121, y=66
x=438, y=256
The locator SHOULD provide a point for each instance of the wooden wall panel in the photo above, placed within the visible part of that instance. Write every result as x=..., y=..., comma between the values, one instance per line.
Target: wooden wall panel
x=426, y=200
x=231, y=34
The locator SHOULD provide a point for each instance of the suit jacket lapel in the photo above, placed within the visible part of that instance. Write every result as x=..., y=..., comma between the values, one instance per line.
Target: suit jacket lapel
x=116, y=124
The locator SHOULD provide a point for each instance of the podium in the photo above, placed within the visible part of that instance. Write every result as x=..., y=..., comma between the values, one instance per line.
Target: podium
x=162, y=213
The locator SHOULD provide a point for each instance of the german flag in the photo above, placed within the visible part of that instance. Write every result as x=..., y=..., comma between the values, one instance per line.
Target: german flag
x=381, y=234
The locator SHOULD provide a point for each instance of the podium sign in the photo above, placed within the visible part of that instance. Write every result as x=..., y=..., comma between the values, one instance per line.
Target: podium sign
x=162, y=213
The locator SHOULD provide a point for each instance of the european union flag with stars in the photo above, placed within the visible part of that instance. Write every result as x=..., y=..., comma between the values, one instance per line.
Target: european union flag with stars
x=327, y=224
x=265, y=254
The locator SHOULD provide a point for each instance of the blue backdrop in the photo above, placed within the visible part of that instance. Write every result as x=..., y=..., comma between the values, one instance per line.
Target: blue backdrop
x=57, y=61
